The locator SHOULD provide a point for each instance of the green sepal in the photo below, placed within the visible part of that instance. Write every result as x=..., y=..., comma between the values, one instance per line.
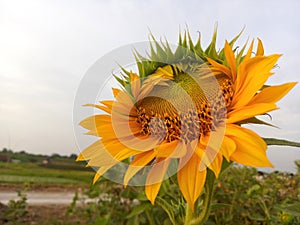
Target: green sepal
x=186, y=56
x=255, y=120
x=123, y=82
x=211, y=49
x=240, y=55
x=231, y=43
x=275, y=141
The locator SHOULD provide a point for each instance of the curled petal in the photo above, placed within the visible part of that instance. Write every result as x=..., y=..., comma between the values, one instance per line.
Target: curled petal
x=273, y=93
x=191, y=179
x=249, y=111
x=155, y=178
x=139, y=162
x=252, y=75
x=230, y=59
x=250, y=148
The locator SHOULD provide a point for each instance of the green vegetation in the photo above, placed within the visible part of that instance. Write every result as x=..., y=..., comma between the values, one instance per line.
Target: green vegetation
x=241, y=196
x=16, y=209
x=40, y=174
x=40, y=169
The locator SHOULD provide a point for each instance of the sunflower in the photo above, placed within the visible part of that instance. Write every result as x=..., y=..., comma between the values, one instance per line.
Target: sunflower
x=186, y=106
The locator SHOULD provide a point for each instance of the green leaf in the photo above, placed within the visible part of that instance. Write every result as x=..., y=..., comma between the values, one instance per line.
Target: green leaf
x=275, y=141
x=215, y=206
x=253, y=190
x=138, y=210
x=100, y=221
x=257, y=217
x=168, y=208
x=293, y=209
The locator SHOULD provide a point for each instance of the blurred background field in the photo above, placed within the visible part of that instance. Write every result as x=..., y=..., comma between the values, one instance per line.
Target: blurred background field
x=242, y=195
x=21, y=167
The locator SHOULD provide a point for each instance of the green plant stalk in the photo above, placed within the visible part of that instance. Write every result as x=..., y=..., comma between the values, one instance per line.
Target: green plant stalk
x=209, y=186
x=265, y=208
x=149, y=217
x=188, y=215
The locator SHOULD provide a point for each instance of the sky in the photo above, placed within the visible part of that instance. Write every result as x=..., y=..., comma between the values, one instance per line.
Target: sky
x=46, y=48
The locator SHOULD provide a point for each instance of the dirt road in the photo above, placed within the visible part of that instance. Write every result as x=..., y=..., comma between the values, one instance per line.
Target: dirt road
x=40, y=198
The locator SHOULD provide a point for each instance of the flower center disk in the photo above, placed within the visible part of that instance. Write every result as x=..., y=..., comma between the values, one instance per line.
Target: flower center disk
x=188, y=107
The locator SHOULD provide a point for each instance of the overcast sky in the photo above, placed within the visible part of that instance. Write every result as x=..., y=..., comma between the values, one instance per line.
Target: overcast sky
x=46, y=47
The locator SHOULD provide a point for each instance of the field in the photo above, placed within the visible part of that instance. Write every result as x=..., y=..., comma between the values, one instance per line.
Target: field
x=242, y=196
x=31, y=173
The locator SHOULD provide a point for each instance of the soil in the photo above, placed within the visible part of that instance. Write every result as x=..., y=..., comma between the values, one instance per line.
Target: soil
x=40, y=214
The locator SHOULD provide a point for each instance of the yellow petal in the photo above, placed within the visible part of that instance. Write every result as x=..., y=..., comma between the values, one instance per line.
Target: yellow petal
x=93, y=121
x=90, y=151
x=117, y=107
x=230, y=59
x=155, y=178
x=146, y=89
x=273, y=93
x=100, y=172
x=125, y=154
x=108, y=103
x=139, y=162
x=173, y=149
x=116, y=92
x=164, y=72
x=219, y=66
x=211, y=155
x=213, y=139
x=228, y=147
x=141, y=143
x=216, y=164
x=111, y=158
x=248, y=55
x=124, y=104
x=118, y=129
x=260, y=48
x=249, y=111
x=252, y=75
x=125, y=128
x=104, y=156
x=250, y=148
x=190, y=179
x=124, y=98
x=135, y=85
x=102, y=131
x=105, y=109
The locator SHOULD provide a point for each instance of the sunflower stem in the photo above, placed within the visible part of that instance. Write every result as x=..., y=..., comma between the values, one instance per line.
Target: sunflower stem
x=188, y=215
x=209, y=186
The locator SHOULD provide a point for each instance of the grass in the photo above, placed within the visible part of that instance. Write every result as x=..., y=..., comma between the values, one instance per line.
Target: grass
x=35, y=180
x=241, y=196
x=37, y=174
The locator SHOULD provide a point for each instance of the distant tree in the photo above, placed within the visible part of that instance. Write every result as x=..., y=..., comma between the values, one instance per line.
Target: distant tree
x=33, y=160
x=6, y=150
x=55, y=155
x=73, y=156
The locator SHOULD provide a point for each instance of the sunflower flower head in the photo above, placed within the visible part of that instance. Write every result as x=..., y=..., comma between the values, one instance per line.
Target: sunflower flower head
x=185, y=107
